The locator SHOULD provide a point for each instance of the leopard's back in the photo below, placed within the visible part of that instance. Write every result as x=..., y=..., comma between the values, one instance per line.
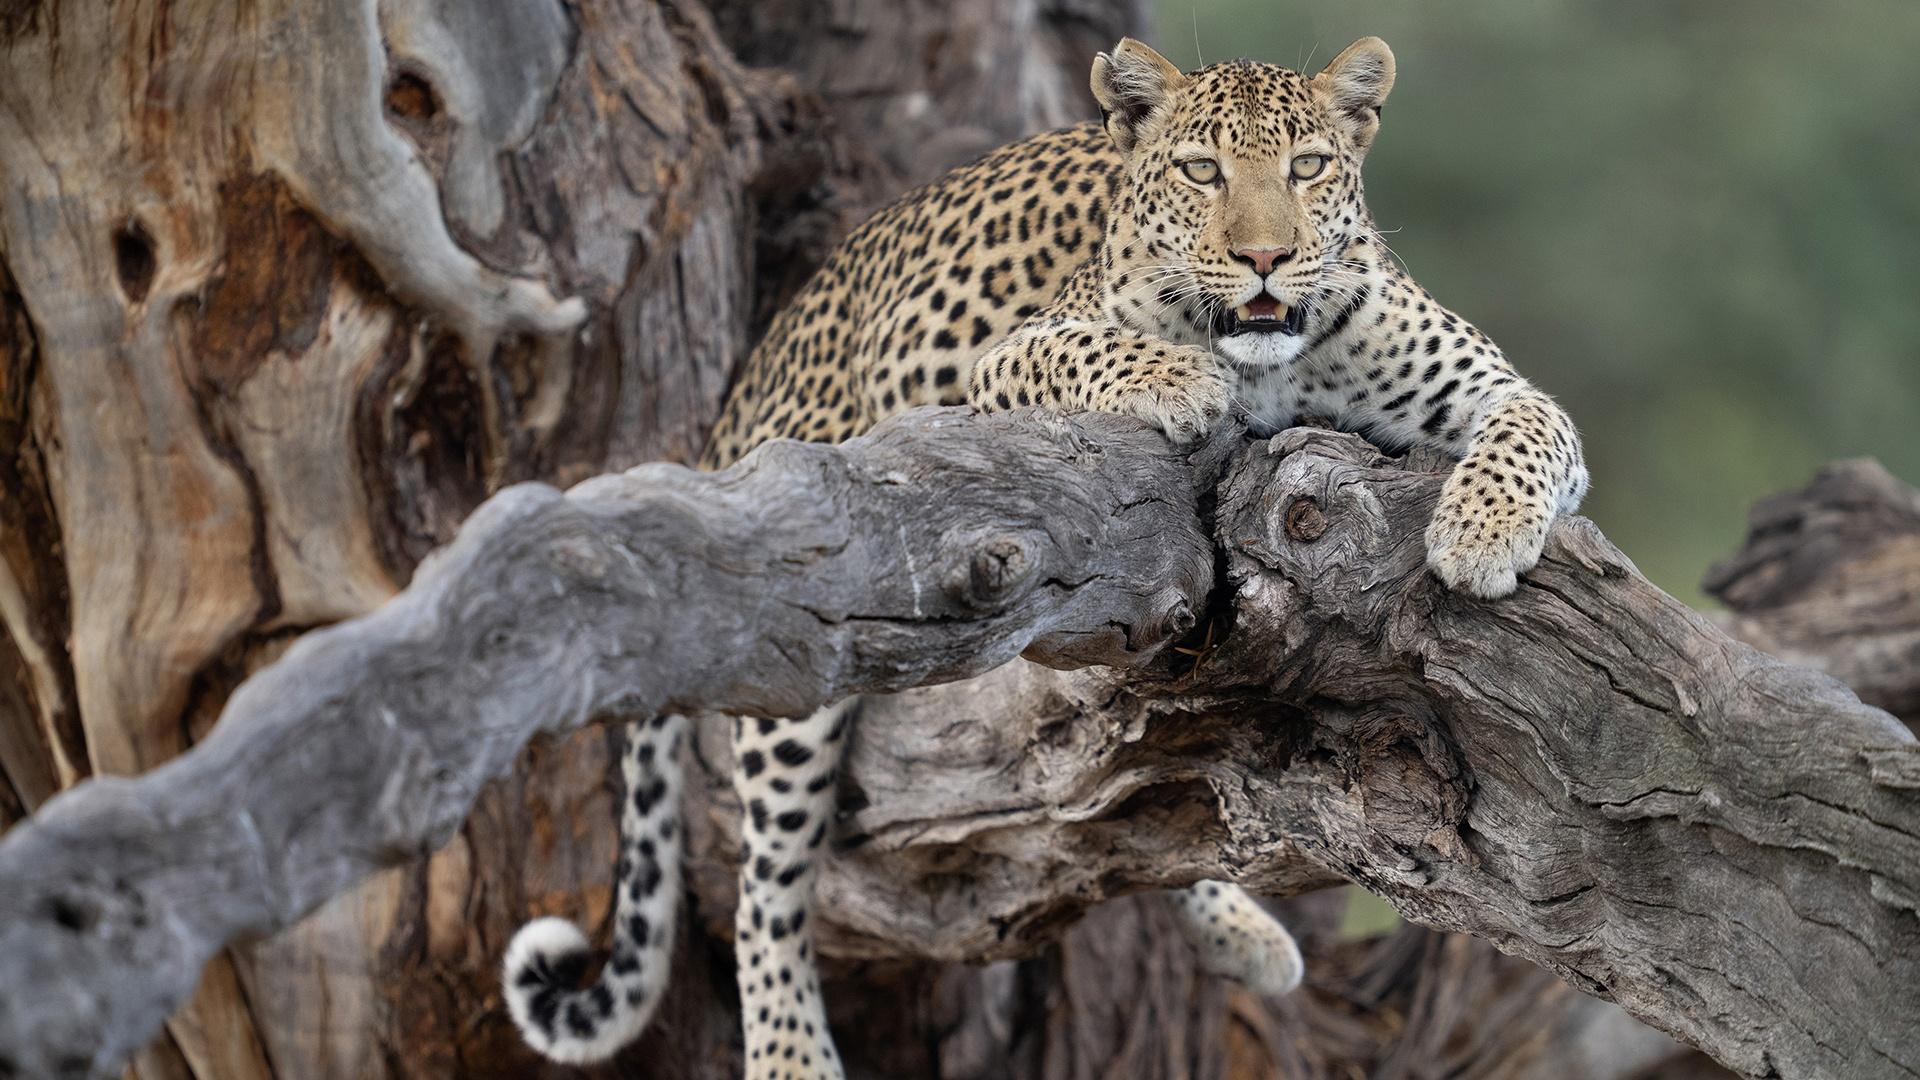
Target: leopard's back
x=902, y=308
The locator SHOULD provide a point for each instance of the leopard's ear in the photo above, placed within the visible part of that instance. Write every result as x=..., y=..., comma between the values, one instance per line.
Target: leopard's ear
x=1356, y=83
x=1130, y=83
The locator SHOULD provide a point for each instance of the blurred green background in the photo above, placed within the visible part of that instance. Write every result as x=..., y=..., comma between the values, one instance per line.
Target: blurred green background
x=1695, y=222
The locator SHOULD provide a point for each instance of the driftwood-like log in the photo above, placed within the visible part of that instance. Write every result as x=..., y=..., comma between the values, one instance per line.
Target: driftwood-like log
x=934, y=550
x=1588, y=774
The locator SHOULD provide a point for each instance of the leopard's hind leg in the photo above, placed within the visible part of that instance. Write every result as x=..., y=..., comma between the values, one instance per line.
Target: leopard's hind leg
x=785, y=773
x=1238, y=938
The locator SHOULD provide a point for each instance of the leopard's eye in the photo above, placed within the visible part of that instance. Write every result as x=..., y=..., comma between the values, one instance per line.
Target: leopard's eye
x=1201, y=170
x=1308, y=166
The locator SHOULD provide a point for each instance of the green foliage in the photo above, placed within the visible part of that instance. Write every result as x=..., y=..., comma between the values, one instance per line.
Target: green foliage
x=1365, y=915
x=1696, y=223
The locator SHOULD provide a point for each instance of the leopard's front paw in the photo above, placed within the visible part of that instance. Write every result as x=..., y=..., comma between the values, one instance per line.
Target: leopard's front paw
x=1482, y=550
x=1185, y=393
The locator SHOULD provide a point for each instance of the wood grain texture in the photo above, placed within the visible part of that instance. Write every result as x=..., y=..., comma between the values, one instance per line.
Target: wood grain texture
x=1542, y=773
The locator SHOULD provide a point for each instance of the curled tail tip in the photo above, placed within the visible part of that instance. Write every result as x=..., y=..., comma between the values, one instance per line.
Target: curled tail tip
x=542, y=973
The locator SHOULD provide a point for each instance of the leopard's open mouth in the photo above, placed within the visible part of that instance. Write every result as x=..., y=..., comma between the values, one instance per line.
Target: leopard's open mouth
x=1261, y=315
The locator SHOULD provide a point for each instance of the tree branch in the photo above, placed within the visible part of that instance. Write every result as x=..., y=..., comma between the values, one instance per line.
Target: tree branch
x=930, y=551
x=1588, y=774
x=1830, y=577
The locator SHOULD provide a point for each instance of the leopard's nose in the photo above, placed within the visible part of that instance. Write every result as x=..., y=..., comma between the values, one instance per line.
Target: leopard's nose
x=1263, y=260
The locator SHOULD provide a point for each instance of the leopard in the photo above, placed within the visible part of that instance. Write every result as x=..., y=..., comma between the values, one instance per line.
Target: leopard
x=1204, y=248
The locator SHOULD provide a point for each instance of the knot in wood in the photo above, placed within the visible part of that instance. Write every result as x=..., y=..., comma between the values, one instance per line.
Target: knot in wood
x=998, y=566
x=1305, y=520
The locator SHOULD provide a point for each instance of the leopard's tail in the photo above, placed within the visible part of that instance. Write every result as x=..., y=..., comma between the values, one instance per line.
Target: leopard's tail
x=558, y=1016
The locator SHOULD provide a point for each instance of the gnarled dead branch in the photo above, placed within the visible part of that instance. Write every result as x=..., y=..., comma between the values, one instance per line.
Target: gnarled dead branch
x=932, y=551
x=1588, y=774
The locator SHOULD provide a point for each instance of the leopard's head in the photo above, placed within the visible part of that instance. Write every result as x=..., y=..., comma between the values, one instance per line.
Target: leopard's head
x=1243, y=190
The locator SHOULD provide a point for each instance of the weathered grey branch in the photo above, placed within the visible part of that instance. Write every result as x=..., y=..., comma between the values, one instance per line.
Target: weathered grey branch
x=931, y=551
x=1588, y=774
x=1830, y=577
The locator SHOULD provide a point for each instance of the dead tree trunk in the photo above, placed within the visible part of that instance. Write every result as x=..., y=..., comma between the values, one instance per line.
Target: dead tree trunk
x=285, y=293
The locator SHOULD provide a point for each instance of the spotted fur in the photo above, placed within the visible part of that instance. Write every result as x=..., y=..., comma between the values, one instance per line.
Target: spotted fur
x=1133, y=329
x=1236, y=937
x=1090, y=268
x=546, y=959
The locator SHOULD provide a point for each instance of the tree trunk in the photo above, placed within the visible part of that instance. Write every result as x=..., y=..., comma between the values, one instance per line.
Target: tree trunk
x=285, y=294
